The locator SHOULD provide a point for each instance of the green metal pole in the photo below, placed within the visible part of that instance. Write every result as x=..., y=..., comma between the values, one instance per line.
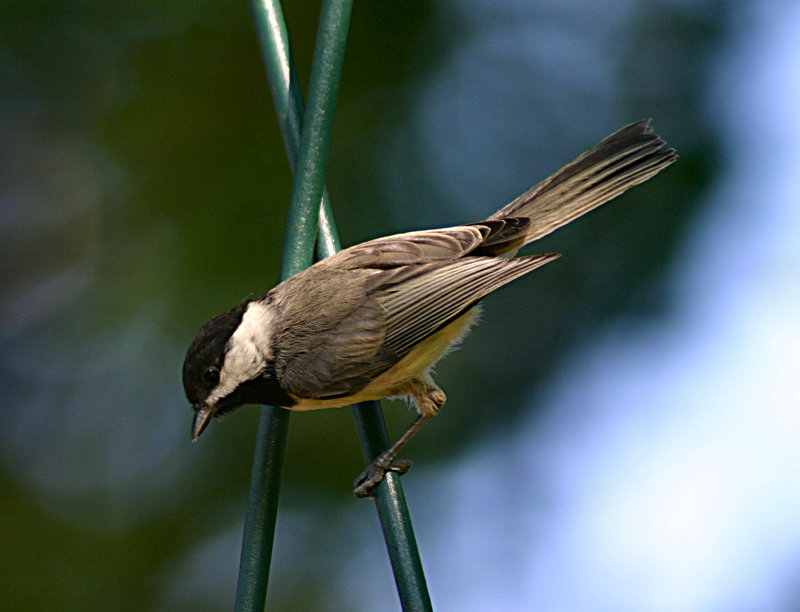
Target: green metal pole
x=390, y=502
x=262, y=510
x=389, y=499
x=274, y=41
x=312, y=157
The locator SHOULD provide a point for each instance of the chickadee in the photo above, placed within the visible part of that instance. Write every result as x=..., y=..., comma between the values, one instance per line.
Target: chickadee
x=370, y=321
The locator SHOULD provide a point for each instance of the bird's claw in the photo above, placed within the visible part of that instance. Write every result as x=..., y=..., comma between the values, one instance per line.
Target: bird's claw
x=365, y=484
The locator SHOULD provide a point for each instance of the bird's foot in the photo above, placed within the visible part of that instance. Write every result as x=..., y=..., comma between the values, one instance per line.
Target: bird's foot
x=365, y=484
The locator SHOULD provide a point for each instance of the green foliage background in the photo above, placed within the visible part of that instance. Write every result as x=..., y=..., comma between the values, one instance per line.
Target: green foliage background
x=144, y=189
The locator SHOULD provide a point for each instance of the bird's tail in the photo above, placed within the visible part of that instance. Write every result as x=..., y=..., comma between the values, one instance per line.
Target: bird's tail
x=628, y=157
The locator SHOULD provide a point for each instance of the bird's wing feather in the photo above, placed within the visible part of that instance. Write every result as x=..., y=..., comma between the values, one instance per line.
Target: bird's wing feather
x=434, y=246
x=382, y=315
x=419, y=306
x=324, y=351
x=340, y=364
x=412, y=248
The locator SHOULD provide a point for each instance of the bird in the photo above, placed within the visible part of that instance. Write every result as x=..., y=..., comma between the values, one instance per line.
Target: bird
x=371, y=321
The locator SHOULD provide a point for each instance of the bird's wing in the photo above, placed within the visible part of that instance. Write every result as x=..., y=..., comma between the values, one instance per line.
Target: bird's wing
x=419, y=306
x=329, y=337
x=432, y=246
x=380, y=314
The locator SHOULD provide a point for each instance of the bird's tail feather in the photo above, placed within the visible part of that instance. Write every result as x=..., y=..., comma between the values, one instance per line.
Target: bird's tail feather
x=628, y=157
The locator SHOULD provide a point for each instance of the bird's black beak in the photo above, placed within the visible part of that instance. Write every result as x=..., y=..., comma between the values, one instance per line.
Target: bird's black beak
x=202, y=417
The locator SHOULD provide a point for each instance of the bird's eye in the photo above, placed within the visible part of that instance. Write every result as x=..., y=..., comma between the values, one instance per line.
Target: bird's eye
x=211, y=376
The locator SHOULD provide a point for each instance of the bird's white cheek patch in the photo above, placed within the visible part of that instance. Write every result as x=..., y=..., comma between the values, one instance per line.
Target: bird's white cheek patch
x=249, y=349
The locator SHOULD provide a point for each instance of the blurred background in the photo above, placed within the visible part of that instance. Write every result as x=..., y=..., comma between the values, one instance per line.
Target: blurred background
x=621, y=430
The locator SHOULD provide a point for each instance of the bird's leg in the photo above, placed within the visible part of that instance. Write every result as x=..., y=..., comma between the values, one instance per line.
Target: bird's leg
x=429, y=399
